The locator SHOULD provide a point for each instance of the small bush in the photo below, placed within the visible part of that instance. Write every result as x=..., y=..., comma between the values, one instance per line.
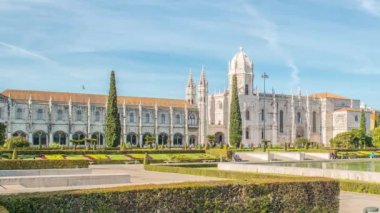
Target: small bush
x=14, y=142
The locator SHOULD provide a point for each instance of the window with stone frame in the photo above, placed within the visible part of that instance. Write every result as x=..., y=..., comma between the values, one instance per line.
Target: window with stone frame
x=131, y=117
x=19, y=114
x=147, y=118
x=40, y=114
x=97, y=116
x=79, y=116
x=247, y=133
x=178, y=119
x=247, y=115
x=163, y=118
x=281, y=121
x=299, y=118
x=314, y=122
x=59, y=115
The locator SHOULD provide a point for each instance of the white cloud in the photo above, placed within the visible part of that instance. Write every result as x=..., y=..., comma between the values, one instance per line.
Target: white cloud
x=267, y=31
x=371, y=6
x=21, y=52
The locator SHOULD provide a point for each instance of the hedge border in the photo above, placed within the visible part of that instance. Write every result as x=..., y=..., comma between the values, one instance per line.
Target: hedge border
x=83, y=152
x=42, y=164
x=216, y=196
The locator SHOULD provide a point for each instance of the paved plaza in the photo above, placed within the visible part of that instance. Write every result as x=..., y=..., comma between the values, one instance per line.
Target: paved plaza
x=138, y=176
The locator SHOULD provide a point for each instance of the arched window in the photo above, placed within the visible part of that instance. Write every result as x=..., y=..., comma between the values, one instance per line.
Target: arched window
x=246, y=89
x=79, y=115
x=192, y=120
x=247, y=115
x=314, y=122
x=299, y=120
x=98, y=137
x=162, y=139
x=247, y=133
x=131, y=117
x=281, y=121
x=163, y=118
x=59, y=138
x=1, y=112
x=132, y=139
x=262, y=114
x=40, y=114
x=79, y=136
x=356, y=118
x=147, y=118
x=178, y=119
x=177, y=139
x=19, y=134
x=39, y=138
x=192, y=140
x=97, y=116
x=19, y=114
x=59, y=115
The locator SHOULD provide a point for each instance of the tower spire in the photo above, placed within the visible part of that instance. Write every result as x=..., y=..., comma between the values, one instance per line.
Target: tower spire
x=190, y=89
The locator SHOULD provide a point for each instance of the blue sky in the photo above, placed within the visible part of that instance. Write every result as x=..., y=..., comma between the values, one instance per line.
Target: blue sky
x=61, y=45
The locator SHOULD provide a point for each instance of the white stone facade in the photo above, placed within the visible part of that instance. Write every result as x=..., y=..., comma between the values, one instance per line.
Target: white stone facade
x=46, y=117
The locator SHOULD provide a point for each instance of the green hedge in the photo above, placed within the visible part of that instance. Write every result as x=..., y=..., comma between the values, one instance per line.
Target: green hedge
x=312, y=196
x=42, y=164
x=84, y=152
x=360, y=186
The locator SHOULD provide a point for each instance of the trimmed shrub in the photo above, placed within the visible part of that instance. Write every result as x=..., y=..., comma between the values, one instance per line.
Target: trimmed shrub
x=14, y=142
x=224, y=153
x=42, y=164
x=312, y=196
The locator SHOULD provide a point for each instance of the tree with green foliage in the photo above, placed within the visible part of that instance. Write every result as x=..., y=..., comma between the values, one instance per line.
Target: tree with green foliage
x=342, y=140
x=210, y=140
x=14, y=142
x=113, y=126
x=3, y=128
x=376, y=137
x=235, y=128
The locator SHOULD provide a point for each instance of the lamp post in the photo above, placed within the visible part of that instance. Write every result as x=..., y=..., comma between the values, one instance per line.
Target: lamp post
x=264, y=76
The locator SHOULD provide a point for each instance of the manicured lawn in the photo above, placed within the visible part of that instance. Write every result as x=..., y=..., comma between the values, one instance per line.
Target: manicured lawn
x=75, y=157
x=118, y=157
x=54, y=157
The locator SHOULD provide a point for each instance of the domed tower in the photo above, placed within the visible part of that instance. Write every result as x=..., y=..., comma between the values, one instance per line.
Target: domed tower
x=242, y=66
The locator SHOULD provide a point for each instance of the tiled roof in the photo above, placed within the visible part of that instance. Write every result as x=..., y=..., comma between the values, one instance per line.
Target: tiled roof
x=328, y=96
x=64, y=97
x=348, y=109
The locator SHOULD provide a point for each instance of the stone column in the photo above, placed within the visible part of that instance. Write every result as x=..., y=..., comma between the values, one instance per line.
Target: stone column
x=124, y=129
x=171, y=126
x=186, y=126
x=275, y=125
x=140, y=126
x=156, y=123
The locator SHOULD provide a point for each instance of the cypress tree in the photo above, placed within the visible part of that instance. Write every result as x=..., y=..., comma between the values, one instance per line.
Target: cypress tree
x=113, y=127
x=363, y=130
x=235, y=131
